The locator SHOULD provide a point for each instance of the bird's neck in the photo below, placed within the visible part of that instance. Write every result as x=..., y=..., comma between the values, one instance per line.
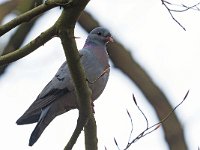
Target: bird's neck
x=99, y=52
x=92, y=42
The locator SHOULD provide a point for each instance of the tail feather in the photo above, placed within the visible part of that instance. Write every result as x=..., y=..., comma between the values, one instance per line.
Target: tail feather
x=36, y=134
x=28, y=119
x=46, y=117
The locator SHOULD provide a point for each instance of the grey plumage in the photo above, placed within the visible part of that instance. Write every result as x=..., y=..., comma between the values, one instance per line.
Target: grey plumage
x=58, y=96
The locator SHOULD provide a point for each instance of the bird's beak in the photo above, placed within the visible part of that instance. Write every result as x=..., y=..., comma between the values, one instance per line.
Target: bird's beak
x=110, y=39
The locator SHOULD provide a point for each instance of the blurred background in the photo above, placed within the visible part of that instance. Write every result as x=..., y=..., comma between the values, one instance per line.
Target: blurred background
x=152, y=58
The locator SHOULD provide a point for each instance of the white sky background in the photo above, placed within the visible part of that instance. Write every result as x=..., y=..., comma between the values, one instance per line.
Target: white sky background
x=169, y=54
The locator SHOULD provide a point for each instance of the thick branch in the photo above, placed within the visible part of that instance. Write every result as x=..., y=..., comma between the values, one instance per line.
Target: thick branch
x=84, y=96
x=79, y=127
x=65, y=25
x=172, y=128
x=90, y=134
x=30, y=47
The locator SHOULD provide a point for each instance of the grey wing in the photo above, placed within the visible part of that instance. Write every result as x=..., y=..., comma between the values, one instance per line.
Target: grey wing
x=61, y=84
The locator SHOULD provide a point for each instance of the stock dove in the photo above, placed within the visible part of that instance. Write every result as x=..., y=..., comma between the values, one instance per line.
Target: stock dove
x=59, y=96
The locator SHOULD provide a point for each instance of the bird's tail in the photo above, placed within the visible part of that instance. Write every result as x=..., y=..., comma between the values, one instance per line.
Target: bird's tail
x=28, y=119
x=46, y=117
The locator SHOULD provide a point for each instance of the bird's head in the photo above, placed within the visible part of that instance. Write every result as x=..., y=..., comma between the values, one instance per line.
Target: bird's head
x=100, y=35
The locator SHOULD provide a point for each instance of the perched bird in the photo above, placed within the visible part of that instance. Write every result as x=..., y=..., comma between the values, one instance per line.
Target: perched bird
x=59, y=96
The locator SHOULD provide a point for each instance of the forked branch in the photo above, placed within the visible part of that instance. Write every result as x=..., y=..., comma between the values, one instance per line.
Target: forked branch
x=49, y=4
x=149, y=129
x=179, y=8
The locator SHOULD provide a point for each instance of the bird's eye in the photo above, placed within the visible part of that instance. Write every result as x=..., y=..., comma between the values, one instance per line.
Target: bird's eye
x=98, y=33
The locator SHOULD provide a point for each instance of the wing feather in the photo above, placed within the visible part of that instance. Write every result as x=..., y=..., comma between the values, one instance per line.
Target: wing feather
x=60, y=85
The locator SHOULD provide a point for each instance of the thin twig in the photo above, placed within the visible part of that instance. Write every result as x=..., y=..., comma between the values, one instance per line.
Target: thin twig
x=164, y=119
x=154, y=127
x=186, y=8
x=129, y=139
x=147, y=122
x=116, y=144
x=164, y=3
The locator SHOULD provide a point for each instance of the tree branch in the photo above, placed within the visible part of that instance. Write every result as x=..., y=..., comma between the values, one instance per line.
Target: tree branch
x=184, y=8
x=168, y=9
x=30, y=47
x=31, y=14
x=91, y=134
x=152, y=128
x=17, y=38
x=79, y=127
x=65, y=26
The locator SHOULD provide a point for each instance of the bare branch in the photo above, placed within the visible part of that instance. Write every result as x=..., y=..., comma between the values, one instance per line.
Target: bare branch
x=31, y=14
x=183, y=9
x=134, y=99
x=79, y=127
x=169, y=10
x=164, y=119
x=19, y=36
x=147, y=122
x=116, y=144
x=129, y=139
x=154, y=127
x=30, y=47
x=65, y=25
